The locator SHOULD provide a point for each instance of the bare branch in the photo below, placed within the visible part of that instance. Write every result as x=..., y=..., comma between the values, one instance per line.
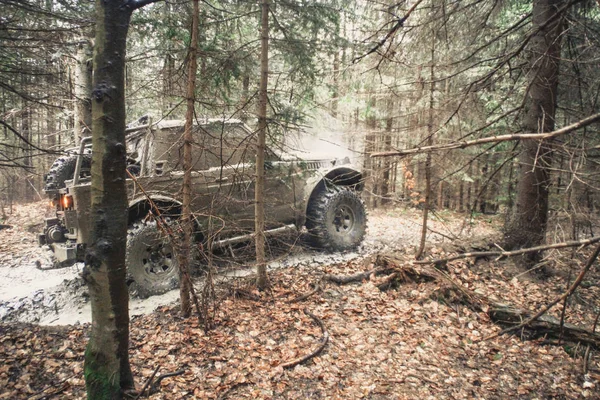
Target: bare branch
x=399, y=24
x=571, y=243
x=13, y=130
x=492, y=139
x=545, y=309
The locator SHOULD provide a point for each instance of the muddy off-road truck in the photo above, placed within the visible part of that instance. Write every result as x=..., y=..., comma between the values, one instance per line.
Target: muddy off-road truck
x=319, y=194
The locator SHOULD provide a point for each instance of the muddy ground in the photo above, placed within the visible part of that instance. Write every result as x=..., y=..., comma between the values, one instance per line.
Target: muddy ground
x=32, y=291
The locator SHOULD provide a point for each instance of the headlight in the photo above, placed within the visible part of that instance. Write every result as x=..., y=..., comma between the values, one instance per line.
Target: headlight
x=66, y=201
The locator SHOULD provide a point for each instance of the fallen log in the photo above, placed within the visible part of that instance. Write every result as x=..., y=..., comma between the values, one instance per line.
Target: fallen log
x=514, y=319
x=568, y=293
x=543, y=326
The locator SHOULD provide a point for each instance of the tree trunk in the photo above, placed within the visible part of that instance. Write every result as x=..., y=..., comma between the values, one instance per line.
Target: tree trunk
x=527, y=225
x=107, y=370
x=186, y=215
x=368, y=162
x=83, y=91
x=336, y=85
x=430, y=133
x=245, y=97
x=387, y=146
x=259, y=227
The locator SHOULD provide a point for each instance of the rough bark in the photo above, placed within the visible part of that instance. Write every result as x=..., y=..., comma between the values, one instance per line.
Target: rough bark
x=527, y=226
x=107, y=370
x=259, y=228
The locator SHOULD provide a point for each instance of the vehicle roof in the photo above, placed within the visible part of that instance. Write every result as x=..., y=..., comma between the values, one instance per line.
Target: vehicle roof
x=174, y=123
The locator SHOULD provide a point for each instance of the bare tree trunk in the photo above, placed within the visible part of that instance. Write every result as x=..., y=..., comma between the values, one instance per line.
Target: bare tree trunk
x=475, y=199
x=459, y=202
x=368, y=162
x=259, y=227
x=387, y=164
x=186, y=215
x=430, y=132
x=527, y=226
x=107, y=370
x=83, y=91
x=245, y=97
x=335, y=94
x=168, y=71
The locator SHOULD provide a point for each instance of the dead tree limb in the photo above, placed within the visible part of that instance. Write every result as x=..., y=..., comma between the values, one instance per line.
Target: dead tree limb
x=148, y=382
x=492, y=139
x=571, y=243
x=359, y=277
x=317, y=288
x=565, y=295
x=387, y=281
x=503, y=314
x=397, y=25
x=318, y=350
x=155, y=386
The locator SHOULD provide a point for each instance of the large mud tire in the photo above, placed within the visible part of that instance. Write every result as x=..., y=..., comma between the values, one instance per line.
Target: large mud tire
x=152, y=266
x=63, y=170
x=336, y=220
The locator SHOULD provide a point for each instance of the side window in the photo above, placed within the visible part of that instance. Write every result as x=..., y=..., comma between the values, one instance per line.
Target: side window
x=215, y=145
x=221, y=144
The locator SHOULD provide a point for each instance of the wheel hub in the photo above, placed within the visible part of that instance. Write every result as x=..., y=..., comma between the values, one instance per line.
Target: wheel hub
x=343, y=219
x=158, y=263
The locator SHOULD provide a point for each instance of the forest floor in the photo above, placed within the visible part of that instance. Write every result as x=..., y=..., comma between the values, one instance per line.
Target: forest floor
x=410, y=341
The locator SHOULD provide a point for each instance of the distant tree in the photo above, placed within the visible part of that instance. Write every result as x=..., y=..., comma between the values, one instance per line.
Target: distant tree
x=527, y=227
x=259, y=217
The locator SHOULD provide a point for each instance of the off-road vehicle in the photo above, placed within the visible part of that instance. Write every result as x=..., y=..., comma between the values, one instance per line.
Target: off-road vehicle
x=319, y=194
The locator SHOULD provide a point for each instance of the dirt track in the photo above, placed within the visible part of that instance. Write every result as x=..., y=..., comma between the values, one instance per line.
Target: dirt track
x=30, y=291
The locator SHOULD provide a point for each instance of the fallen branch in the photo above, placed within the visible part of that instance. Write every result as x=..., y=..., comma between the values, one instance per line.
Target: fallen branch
x=318, y=350
x=387, y=281
x=545, y=309
x=359, y=277
x=148, y=382
x=241, y=293
x=305, y=296
x=500, y=254
x=505, y=314
x=154, y=387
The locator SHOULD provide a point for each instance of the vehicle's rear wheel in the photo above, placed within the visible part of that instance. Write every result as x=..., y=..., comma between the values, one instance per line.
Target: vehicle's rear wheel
x=336, y=219
x=63, y=169
x=152, y=264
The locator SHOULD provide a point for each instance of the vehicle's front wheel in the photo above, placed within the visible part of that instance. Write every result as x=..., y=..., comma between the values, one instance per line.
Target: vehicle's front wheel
x=152, y=264
x=336, y=219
